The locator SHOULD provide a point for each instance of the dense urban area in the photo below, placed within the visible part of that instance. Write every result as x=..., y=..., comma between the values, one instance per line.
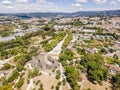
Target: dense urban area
x=60, y=53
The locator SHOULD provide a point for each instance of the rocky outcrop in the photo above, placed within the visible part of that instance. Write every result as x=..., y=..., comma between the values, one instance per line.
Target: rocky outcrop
x=43, y=61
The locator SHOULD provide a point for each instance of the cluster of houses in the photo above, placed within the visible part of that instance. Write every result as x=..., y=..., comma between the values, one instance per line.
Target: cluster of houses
x=17, y=33
x=11, y=37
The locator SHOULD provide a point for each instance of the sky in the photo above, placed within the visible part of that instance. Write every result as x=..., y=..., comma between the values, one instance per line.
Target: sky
x=26, y=6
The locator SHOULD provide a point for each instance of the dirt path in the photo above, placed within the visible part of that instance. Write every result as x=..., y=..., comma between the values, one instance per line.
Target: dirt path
x=61, y=78
x=57, y=50
x=31, y=84
x=2, y=62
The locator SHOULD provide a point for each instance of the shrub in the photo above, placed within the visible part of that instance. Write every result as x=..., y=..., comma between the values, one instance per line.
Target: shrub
x=14, y=75
x=19, y=83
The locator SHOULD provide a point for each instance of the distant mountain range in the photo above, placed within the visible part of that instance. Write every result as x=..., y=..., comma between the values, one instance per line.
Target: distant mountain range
x=80, y=13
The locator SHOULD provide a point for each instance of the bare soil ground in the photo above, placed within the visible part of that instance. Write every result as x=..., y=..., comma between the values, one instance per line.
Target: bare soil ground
x=85, y=84
x=25, y=80
x=47, y=81
x=65, y=87
x=38, y=39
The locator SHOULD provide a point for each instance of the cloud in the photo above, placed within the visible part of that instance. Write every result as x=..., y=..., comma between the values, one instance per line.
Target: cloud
x=22, y=1
x=76, y=5
x=83, y=1
x=100, y=1
x=113, y=3
x=44, y=2
x=6, y=2
x=10, y=7
x=41, y=1
x=26, y=6
x=33, y=6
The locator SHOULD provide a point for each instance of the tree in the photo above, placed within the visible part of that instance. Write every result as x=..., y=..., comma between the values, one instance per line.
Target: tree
x=116, y=56
x=56, y=39
x=38, y=82
x=116, y=81
x=58, y=75
x=14, y=75
x=6, y=87
x=19, y=83
x=67, y=55
x=33, y=49
x=95, y=69
x=100, y=30
x=67, y=40
x=20, y=67
x=72, y=76
x=41, y=87
x=64, y=81
x=4, y=54
x=6, y=66
x=25, y=26
x=34, y=73
x=46, y=28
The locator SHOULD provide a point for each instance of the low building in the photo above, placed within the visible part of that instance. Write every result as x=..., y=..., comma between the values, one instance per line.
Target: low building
x=57, y=27
x=89, y=31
